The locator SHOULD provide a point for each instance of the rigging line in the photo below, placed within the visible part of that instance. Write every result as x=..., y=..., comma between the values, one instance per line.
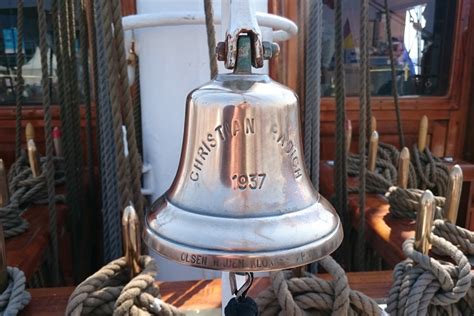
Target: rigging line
x=340, y=164
x=363, y=121
x=394, y=77
x=313, y=86
x=211, y=37
x=20, y=61
x=45, y=83
x=133, y=160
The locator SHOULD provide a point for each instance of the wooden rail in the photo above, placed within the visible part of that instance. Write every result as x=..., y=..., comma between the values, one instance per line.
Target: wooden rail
x=385, y=233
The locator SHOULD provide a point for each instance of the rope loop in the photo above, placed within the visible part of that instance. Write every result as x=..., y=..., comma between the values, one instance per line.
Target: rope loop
x=107, y=292
x=26, y=190
x=426, y=286
x=15, y=297
x=404, y=203
x=310, y=294
x=431, y=172
x=458, y=236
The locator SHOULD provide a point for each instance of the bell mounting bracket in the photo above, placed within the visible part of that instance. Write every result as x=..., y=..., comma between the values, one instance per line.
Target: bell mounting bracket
x=242, y=20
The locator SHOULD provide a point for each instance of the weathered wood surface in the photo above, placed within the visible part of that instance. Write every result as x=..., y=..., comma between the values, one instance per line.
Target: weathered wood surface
x=27, y=251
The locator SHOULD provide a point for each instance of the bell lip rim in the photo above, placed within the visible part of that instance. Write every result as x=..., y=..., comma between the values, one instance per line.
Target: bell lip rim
x=330, y=242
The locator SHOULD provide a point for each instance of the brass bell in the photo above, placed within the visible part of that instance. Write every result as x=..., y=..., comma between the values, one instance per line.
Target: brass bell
x=241, y=199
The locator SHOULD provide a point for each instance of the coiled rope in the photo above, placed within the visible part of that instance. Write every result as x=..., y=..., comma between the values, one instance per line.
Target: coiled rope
x=404, y=203
x=426, y=286
x=431, y=171
x=310, y=294
x=15, y=297
x=26, y=190
x=109, y=291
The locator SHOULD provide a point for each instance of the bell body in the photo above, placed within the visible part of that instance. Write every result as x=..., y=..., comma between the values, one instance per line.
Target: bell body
x=241, y=199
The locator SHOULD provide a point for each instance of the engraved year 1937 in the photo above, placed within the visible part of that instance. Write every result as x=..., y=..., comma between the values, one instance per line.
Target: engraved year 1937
x=253, y=181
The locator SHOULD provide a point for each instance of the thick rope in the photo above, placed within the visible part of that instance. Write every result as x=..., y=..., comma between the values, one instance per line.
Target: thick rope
x=458, y=236
x=15, y=297
x=363, y=101
x=137, y=107
x=211, y=37
x=108, y=291
x=86, y=88
x=432, y=172
x=379, y=181
x=108, y=160
x=133, y=159
x=394, y=75
x=49, y=170
x=313, y=89
x=20, y=60
x=423, y=285
x=64, y=38
x=340, y=165
x=405, y=203
x=25, y=190
x=312, y=295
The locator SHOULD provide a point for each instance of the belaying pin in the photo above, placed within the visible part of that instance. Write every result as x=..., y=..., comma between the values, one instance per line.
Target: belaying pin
x=424, y=222
x=131, y=239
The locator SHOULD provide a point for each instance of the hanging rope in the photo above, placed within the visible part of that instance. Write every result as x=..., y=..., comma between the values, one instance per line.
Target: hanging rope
x=211, y=37
x=313, y=89
x=364, y=101
x=64, y=39
x=109, y=291
x=15, y=297
x=49, y=165
x=340, y=165
x=134, y=161
x=111, y=199
x=86, y=88
x=20, y=61
x=394, y=75
x=426, y=286
x=313, y=295
x=137, y=107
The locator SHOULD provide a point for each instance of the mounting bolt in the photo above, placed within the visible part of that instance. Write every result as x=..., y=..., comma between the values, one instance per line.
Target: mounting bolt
x=270, y=50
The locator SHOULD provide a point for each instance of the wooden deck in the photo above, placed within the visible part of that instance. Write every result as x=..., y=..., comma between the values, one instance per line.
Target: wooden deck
x=26, y=251
x=199, y=295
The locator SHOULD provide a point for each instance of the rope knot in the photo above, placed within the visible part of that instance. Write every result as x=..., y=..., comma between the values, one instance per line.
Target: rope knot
x=307, y=295
x=107, y=292
x=424, y=285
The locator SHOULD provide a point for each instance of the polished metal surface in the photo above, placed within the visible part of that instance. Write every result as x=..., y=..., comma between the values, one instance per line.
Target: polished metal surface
x=373, y=148
x=348, y=136
x=131, y=239
x=241, y=199
x=423, y=133
x=424, y=222
x=33, y=158
x=454, y=194
x=403, y=168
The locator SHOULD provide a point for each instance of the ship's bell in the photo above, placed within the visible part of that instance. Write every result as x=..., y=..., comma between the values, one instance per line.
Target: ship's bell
x=241, y=199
